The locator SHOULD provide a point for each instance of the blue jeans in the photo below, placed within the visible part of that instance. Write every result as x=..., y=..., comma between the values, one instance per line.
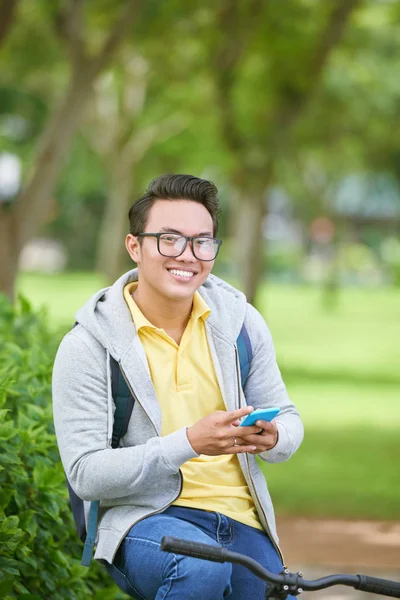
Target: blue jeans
x=145, y=572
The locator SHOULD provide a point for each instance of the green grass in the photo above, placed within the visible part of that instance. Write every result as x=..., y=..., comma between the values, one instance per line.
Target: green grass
x=359, y=337
x=62, y=295
x=350, y=473
x=342, y=370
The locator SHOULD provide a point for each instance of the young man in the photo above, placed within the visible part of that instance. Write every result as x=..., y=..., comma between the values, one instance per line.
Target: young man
x=184, y=467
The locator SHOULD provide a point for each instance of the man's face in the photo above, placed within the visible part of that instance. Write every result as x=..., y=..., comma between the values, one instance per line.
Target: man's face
x=158, y=273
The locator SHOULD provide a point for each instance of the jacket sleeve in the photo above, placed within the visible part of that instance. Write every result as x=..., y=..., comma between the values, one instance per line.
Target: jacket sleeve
x=265, y=388
x=81, y=410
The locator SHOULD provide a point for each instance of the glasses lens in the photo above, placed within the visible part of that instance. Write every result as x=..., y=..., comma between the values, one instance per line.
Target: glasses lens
x=171, y=244
x=205, y=248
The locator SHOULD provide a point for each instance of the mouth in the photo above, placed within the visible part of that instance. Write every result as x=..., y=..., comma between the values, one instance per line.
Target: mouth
x=181, y=274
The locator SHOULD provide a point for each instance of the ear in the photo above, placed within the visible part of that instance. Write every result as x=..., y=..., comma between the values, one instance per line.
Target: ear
x=133, y=246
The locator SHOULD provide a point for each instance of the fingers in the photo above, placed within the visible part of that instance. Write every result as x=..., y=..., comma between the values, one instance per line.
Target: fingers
x=242, y=449
x=233, y=415
x=259, y=440
x=252, y=449
x=236, y=445
x=253, y=439
x=263, y=441
x=266, y=438
x=246, y=430
x=268, y=426
x=240, y=446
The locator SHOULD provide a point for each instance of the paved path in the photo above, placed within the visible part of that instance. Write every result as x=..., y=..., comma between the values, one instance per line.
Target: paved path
x=319, y=547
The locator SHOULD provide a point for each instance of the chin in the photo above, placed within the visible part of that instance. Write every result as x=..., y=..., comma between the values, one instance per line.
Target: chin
x=180, y=292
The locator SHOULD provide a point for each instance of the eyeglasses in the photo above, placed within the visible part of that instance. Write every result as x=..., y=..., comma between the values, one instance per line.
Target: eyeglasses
x=173, y=245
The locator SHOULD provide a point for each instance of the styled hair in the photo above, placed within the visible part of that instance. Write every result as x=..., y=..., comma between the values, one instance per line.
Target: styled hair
x=174, y=187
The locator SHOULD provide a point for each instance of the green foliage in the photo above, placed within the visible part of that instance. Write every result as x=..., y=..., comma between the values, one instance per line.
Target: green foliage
x=39, y=550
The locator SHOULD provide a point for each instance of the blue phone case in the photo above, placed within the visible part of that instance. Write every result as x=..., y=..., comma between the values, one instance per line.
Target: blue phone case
x=264, y=414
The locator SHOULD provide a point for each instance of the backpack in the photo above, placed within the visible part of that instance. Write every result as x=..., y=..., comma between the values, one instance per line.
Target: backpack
x=124, y=402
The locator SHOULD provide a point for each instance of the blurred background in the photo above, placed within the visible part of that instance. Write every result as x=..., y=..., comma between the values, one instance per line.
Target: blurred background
x=292, y=109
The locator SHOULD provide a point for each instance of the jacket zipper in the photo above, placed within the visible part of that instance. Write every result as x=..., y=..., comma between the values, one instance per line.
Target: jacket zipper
x=159, y=510
x=155, y=512
x=249, y=473
x=155, y=429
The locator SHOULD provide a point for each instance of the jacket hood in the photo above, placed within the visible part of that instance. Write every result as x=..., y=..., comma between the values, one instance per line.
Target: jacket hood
x=107, y=317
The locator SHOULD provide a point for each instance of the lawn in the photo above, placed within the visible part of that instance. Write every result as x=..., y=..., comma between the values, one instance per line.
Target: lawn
x=62, y=294
x=342, y=370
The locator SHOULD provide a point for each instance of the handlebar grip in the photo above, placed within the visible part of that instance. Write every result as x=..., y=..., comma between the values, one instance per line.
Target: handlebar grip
x=195, y=549
x=376, y=585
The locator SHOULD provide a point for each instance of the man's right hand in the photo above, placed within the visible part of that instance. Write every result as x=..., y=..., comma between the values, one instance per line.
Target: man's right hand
x=218, y=433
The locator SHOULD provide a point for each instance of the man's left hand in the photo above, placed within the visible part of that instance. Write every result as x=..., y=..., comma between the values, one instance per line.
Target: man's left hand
x=265, y=440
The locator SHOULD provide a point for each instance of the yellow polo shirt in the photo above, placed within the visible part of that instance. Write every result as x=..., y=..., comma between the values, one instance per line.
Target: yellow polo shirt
x=187, y=389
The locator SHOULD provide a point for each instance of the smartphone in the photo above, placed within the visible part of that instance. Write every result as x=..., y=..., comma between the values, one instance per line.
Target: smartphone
x=264, y=414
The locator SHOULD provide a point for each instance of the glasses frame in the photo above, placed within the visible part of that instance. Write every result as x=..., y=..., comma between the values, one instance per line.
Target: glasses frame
x=187, y=239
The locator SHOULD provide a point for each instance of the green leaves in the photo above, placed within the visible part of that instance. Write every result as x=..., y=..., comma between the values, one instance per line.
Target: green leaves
x=39, y=550
x=7, y=430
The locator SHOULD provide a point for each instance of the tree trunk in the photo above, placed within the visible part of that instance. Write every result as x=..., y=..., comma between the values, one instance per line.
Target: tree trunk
x=21, y=222
x=7, y=17
x=115, y=225
x=9, y=252
x=35, y=200
x=250, y=242
x=331, y=284
x=34, y=203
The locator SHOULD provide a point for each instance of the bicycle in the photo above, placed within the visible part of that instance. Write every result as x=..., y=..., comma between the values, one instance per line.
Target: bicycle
x=279, y=586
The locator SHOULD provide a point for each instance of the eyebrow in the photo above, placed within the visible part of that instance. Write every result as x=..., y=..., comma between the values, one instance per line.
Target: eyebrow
x=172, y=230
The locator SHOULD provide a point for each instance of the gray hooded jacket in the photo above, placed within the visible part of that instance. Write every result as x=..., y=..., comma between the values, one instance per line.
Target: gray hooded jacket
x=142, y=476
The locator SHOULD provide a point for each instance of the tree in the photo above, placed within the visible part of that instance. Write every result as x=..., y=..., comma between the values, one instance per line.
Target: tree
x=348, y=134
x=265, y=78
x=7, y=16
x=20, y=220
x=122, y=126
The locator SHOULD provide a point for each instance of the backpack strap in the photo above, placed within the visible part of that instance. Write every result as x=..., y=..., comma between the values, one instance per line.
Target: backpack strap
x=245, y=354
x=124, y=402
x=90, y=540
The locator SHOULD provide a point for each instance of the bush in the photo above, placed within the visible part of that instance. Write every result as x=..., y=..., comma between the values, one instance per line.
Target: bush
x=39, y=549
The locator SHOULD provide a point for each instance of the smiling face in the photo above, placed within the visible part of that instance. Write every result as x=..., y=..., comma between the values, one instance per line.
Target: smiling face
x=171, y=279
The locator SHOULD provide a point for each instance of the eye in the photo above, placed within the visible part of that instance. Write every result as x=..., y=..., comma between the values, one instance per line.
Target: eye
x=170, y=238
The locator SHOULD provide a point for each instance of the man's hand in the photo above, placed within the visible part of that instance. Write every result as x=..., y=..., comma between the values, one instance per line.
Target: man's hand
x=265, y=439
x=218, y=433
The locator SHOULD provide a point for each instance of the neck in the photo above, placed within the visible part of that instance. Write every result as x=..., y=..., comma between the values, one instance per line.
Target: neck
x=163, y=312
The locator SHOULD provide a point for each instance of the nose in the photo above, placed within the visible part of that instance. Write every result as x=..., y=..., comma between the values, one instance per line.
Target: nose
x=187, y=255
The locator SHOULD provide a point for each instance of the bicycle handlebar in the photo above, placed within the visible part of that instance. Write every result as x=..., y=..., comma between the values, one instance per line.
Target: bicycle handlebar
x=284, y=583
x=376, y=585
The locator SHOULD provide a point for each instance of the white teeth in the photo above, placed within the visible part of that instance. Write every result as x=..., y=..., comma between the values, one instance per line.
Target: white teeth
x=187, y=274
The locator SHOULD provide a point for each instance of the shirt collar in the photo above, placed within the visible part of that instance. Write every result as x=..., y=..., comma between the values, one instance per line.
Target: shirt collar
x=138, y=317
x=200, y=308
